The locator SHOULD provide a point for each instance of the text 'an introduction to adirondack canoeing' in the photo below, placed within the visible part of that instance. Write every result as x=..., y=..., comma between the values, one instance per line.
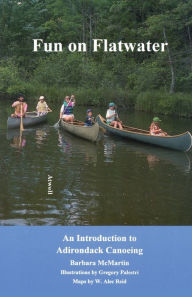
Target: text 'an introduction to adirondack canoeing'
x=99, y=259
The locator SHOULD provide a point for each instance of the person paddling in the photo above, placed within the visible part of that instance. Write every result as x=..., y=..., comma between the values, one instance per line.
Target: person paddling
x=112, y=117
x=66, y=112
x=42, y=107
x=20, y=107
x=89, y=118
x=155, y=128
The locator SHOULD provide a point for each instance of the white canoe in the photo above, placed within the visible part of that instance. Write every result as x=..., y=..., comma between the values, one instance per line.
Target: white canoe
x=79, y=129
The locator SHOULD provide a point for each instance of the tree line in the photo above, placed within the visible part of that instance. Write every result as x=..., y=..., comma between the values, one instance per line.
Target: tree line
x=133, y=79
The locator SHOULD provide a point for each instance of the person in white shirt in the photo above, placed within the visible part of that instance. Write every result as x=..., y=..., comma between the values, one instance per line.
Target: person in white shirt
x=112, y=117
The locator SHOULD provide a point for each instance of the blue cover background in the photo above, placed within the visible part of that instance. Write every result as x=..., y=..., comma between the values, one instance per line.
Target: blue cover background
x=29, y=265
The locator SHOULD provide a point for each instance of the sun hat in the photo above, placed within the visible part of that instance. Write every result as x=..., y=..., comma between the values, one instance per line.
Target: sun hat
x=156, y=119
x=41, y=98
x=111, y=104
x=89, y=110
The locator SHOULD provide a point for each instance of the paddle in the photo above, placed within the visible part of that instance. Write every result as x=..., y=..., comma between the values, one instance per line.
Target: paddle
x=117, y=117
x=56, y=126
x=21, y=120
x=21, y=126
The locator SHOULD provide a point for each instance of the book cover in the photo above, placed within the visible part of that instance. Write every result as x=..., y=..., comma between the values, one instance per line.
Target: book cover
x=95, y=148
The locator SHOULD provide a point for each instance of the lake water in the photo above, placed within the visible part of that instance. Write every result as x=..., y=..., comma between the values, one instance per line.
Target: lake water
x=113, y=182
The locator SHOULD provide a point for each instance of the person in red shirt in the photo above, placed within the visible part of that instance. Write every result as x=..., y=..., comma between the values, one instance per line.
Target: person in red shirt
x=155, y=128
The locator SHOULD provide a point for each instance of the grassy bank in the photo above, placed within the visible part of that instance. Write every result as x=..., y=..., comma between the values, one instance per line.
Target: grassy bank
x=85, y=96
x=156, y=102
x=93, y=84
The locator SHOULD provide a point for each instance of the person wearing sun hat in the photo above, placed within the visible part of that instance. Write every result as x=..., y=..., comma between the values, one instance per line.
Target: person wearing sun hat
x=42, y=107
x=155, y=128
x=112, y=116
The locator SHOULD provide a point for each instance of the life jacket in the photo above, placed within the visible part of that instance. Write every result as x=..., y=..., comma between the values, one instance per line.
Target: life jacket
x=68, y=108
x=42, y=106
x=20, y=108
x=154, y=128
x=88, y=122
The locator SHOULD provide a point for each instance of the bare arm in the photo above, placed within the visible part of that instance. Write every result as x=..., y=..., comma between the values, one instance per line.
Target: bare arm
x=25, y=107
x=15, y=103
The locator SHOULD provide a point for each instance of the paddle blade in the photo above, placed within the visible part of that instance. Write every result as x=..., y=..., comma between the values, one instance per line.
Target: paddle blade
x=56, y=126
x=21, y=125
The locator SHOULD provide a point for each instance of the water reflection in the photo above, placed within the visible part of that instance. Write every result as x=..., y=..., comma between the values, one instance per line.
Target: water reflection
x=41, y=135
x=109, y=148
x=70, y=144
x=152, y=161
x=113, y=182
x=17, y=138
x=18, y=142
x=63, y=144
x=155, y=155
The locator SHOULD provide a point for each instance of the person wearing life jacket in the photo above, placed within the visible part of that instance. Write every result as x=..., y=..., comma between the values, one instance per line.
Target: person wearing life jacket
x=66, y=112
x=112, y=117
x=155, y=128
x=42, y=107
x=89, y=118
x=20, y=107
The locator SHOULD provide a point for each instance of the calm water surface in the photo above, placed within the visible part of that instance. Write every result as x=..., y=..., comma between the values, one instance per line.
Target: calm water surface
x=113, y=182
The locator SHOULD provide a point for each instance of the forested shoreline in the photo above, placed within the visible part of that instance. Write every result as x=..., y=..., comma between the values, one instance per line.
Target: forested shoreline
x=155, y=82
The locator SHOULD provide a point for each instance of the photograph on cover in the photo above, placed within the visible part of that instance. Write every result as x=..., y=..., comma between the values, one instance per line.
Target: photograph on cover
x=95, y=112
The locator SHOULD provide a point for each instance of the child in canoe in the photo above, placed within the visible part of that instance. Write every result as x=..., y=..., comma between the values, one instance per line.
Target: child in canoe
x=112, y=117
x=155, y=128
x=42, y=107
x=89, y=118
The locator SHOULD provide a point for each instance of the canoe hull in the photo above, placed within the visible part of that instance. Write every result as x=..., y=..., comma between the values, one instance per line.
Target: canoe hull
x=182, y=142
x=88, y=133
x=28, y=121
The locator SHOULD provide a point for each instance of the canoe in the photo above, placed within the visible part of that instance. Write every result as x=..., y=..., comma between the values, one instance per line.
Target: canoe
x=181, y=142
x=77, y=128
x=31, y=119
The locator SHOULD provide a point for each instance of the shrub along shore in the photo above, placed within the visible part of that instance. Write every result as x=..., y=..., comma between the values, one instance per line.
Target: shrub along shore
x=154, y=101
x=128, y=68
